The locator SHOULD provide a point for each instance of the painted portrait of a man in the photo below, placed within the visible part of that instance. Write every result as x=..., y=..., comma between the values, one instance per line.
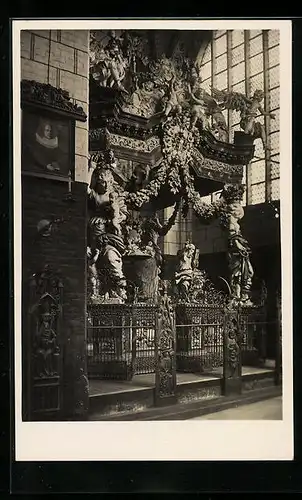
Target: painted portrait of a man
x=45, y=144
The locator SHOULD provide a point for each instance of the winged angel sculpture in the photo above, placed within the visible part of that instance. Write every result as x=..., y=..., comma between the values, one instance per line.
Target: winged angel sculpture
x=162, y=92
x=187, y=94
x=250, y=109
x=108, y=63
x=203, y=107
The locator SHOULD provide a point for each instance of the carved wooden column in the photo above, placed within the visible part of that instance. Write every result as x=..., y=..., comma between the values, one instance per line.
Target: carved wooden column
x=165, y=352
x=231, y=382
x=44, y=347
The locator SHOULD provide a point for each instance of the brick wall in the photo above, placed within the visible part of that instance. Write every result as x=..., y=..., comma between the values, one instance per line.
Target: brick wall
x=61, y=59
x=208, y=238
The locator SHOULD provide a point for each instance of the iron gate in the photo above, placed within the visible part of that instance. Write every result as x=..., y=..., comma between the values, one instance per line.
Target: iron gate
x=121, y=340
x=253, y=326
x=199, y=337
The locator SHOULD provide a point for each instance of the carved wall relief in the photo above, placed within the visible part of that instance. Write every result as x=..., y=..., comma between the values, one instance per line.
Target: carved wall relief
x=232, y=342
x=45, y=345
x=165, y=349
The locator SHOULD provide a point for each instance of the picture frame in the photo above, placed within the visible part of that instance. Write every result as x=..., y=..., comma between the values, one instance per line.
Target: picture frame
x=48, y=131
x=47, y=144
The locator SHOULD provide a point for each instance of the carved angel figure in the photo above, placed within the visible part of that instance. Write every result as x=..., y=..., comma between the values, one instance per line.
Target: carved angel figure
x=173, y=102
x=205, y=107
x=249, y=108
x=184, y=270
x=198, y=109
x=144, y=100
x=108, y=64
x=106, y=246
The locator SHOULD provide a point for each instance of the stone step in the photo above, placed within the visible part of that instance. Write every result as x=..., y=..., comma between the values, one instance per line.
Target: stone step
x=132, y=403
x=190, y=410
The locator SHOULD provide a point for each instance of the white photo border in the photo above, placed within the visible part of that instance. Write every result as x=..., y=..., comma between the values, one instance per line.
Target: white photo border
x=167, y=440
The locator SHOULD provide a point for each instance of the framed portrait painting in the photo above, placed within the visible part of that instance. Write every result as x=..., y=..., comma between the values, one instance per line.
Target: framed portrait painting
x=47, y=143
x=48, y=130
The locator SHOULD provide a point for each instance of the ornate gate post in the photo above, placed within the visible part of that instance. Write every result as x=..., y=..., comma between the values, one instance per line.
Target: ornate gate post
x=165, y=351
x=231, y=382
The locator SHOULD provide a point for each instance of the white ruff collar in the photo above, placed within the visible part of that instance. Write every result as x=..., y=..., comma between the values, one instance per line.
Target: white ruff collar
x=47, y=143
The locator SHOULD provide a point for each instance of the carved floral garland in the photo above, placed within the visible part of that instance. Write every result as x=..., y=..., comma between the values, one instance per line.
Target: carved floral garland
x=177, y=138
x=205, y=211
x=144, y=195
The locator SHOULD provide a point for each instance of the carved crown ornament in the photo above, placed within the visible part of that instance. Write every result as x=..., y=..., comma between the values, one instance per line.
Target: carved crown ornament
x=137, y=93
x=189, y=129
x=56, y=99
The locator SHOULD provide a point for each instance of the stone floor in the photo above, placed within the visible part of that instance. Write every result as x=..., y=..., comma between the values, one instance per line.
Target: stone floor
x=146, y=381
x=270, y=409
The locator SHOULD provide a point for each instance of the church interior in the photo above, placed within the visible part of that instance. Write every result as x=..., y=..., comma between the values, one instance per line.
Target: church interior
x=151, y=286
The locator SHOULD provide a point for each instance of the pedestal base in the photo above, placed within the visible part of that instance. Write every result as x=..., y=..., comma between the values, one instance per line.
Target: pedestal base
x=142, y=273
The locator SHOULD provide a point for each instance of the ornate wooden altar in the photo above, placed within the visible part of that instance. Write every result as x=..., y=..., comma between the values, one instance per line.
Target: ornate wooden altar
x=165, y=142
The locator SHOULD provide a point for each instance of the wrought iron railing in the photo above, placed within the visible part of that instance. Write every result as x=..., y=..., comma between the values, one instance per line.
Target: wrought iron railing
x=122, y=338
x=199, y=338
x=253, y=326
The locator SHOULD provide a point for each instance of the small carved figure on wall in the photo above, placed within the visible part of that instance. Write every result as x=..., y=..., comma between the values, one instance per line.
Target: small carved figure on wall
x=184, y=269
x=46, y=226
x=233, y=349
x=45, y=347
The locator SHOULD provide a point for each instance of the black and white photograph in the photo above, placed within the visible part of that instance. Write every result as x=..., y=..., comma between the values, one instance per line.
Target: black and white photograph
x=154, y=238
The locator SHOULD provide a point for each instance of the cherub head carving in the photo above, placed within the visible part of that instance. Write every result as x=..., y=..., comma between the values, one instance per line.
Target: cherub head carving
x=102, y=180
